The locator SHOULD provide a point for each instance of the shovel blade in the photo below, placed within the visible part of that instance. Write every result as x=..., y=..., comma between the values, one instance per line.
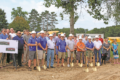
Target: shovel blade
x=86, y=70
x=81, y=65
x=94, y=69
x=63, y=64
x=91, y=64
x=38, y=68
x=72, y=64
x=44, y=67
x=98, y=64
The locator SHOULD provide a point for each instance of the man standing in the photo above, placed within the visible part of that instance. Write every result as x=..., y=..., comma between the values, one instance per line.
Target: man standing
x=42, y=47
x=56, y=51
x=50, y=52
x=3, y=56
x=20, y=46
x=90, y=49
x=26, y=53
x=32, y=50
x=101, y=39
x=61, y=46
x=12, y=34
x=80, y=50
x=97, y=46
x=70, y=47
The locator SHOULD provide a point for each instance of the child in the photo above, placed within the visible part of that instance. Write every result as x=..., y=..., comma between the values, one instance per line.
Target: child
x=115, y=51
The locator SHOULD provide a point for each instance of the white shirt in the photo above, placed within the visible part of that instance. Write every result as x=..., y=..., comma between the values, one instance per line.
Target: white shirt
x=70, y=44
x=51, y=44
x=97, y=44
x=12, y=34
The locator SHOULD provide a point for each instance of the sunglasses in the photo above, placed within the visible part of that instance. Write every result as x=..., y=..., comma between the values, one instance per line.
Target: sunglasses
x=19, y=33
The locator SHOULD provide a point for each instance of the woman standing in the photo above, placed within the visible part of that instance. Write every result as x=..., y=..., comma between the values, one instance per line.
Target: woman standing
x=115, y=51
x=106, y=50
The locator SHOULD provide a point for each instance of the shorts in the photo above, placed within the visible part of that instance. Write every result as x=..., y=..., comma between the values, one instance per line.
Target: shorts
x=70, y=53
x=61, y=55
x=78, y=55
x=89, y=53
x=32, y=55
x=41, y=54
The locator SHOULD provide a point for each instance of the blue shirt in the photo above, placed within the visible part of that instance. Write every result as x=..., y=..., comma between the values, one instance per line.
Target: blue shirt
x=115, y=46
x=61, y=44
x=89, y=45
x=20, y=41
x=42, y=41
x=32, y=41
x=2, y=36
x=47, y=38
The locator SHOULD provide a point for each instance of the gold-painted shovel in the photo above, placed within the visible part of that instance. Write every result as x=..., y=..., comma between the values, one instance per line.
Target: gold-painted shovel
x=86, y=69
x=71, y=64
x=97, y=63
x=44, y=67
x=81, y=64
x=94, y=68
x=38, y=67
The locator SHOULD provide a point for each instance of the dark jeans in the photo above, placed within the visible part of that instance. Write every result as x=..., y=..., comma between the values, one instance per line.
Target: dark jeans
x=8, y=57
x=18, y=57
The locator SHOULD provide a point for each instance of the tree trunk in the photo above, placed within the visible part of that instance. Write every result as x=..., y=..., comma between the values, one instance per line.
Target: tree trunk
x=72, y=20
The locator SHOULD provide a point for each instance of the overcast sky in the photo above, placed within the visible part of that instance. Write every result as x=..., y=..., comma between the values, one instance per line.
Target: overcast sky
x=84, y=21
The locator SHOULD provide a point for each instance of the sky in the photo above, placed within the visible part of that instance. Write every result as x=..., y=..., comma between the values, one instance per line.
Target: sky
x=85, y=20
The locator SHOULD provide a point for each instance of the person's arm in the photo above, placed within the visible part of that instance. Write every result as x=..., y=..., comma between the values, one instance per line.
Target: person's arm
x=29, y=43
x=104, y=46
x=40, y=46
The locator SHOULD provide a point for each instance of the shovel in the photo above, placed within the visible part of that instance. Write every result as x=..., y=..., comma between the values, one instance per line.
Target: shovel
x=94, y=68
x=98, y=64
x=86, y=70
x=81, y=65
x=91, y=64
x=71, y=64
x=44, y=67
x=38, y=67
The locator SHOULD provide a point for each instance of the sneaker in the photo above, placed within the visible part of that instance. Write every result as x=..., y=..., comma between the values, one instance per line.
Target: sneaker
x=47, y=66
x=29, y=69
x=35, y=68
x=68, y=65
x=52, y=67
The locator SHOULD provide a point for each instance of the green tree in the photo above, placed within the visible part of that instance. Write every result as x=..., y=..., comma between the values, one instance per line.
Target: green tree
x=34, y=20
x=3, y=21
x=18, y=12
x=19, y=24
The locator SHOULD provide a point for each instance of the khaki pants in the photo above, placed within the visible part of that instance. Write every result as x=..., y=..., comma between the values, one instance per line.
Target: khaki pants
x=3, y=58
x=26, y=55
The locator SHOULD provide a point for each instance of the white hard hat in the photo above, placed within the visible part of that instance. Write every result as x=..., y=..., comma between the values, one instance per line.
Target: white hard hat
x=51, y=35
x=80, y=37
x=58, y=33
x=89, y=37
x=70, y=35
x=96, y=36
x=33, y=32
x=42, y=31
x=62, y=35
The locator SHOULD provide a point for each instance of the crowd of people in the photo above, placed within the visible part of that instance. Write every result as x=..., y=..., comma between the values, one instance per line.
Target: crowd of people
x=55, y=47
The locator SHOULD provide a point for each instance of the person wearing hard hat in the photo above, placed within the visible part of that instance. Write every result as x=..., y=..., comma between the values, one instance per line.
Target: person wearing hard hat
x=70, y=48
x=90, y=49
x=97, y=46
x=56, y=50
x=50, y=52
x=65, y=38
x=42, y=47
x=61, y=46
x=32, y=43
x=80, y=50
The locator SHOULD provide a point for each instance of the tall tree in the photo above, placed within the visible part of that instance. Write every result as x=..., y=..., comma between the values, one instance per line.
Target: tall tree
x=70, y=7
x=3, y=21
x=53, y=20
x=19, y=23
x=18, y=12
x=34, y=20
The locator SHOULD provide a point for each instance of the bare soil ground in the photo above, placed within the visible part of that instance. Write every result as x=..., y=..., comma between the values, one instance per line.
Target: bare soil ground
x=109, y=71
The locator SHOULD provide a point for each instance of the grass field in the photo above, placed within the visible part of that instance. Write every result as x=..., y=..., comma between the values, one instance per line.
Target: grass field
x=111, y=53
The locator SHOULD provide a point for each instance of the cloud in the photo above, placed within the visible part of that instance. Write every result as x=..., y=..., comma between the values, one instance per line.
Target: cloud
x=13, y=1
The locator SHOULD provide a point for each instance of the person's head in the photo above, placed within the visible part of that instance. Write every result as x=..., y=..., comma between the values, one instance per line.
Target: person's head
x=65, y=34
x=24, y=31
x=99, y=36
x=42, y=33
x=38, y=34
x=51, y=36
x=106, y=40
x=47, y=35
x=33, y=34
x=3, y=31
x=11, y=30
x=86, y=37
x=19, y=33
x=59, y=35
x=82, y=35
x=62, y=36
x=70, y=36
x=89, y=38
x=80, y=39
x=27, y=32
x=54, y=34
x=96, y=38
x=8, y=31
x=115, y=41
x=75, y=37
x=93, y=39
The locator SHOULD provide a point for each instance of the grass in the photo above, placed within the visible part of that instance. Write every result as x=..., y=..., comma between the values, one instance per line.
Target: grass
x=111, y=53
